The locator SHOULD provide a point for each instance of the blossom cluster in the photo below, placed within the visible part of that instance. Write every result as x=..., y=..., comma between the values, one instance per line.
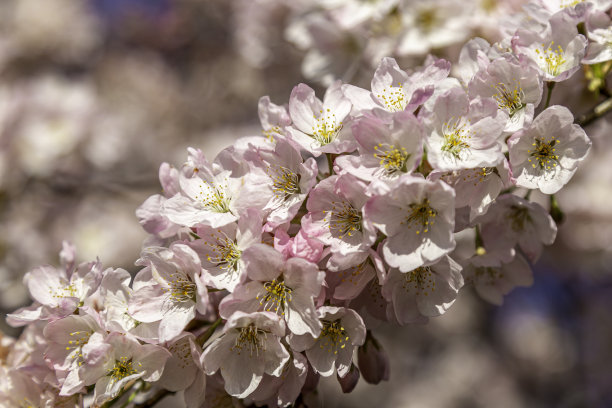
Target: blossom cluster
x=272, y=264
x=341, y=37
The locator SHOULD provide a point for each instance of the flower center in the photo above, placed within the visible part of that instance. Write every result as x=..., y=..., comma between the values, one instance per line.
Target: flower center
x=518, y=216
x=225, y=253
x=509, y=99
x=456, y=134
x=333, y=336
x=345, y=219
x=326, y=130
x=181, y=288
x=270, y=133
x=75, y=345
x=285, y=182
x=123, y=368
x=250, y=338
x=67, y=291
x=391, y=158
x=352, y=274
x=474, y=176
x=569, y=3
x=182, y=351
x=426, y=19
x=214, y=197
x=420, y=280
x=276, y=296
x=544, y=154
x=489, y=275
x=394, y=98
x=421, y=216
x=551, y=60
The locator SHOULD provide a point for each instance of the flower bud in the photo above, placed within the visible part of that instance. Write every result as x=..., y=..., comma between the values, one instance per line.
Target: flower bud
x=350, y=380
x=373, y=361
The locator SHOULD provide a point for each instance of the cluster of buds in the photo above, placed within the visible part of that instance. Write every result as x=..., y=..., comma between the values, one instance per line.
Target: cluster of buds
x=269, y=266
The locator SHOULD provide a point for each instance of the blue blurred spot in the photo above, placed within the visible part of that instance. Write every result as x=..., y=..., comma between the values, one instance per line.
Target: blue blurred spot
x=113, y=11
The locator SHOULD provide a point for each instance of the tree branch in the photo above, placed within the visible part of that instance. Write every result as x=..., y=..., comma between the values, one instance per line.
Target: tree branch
x=595, y=113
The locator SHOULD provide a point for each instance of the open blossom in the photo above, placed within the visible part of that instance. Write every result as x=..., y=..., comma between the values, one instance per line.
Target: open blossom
x=283, y=390
x=417, y=216
x=433, y=24
x=348, y=282
x=69, y=339
x=335, y=216
x=394, y=90
x=516, y=86
x=249, y=347
x=557, y=51
x=220, y=249
x=547, y=153
x=426, y=291
x=387, y=148
x=211, y=195
x=59, y=291
x=288, y=180
x=476, y=188
x=512, y=220
x=124, y=360
x=343, y=331
x=112, y=301
x=494, y=278
x=319, y=126
x=286, y=287
x=464, y=133
x=177, y=289
x=183, y=370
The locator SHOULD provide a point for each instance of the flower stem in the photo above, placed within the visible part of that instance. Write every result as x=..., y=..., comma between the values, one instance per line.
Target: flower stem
x=202, y=338
x=550, y=86
x=555, y=210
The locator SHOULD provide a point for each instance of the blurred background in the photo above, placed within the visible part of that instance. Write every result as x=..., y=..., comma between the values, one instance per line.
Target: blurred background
x=96, y=94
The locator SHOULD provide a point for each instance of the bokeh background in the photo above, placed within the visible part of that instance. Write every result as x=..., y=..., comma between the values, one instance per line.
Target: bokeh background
x=96, y=94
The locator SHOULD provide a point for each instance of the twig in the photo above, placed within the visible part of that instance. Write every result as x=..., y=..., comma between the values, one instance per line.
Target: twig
x=202, y=338
x=595, y=113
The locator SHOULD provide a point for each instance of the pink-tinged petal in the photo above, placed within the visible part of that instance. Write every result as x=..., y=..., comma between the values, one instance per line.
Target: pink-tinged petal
x=344, y=360
x=68, y=256
x=46, y=284
x=387, y=74
x=385, y=215
x=262, y=262
x=152, y=360
x=301, y=316
x=304, y=106
x=195, y=394
x=175, y=320
x=25, y=315
x=147, y=304
x=168, y=178
x=276, y=356
x=322, y=360
x=301, y=342
x=360, y=98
